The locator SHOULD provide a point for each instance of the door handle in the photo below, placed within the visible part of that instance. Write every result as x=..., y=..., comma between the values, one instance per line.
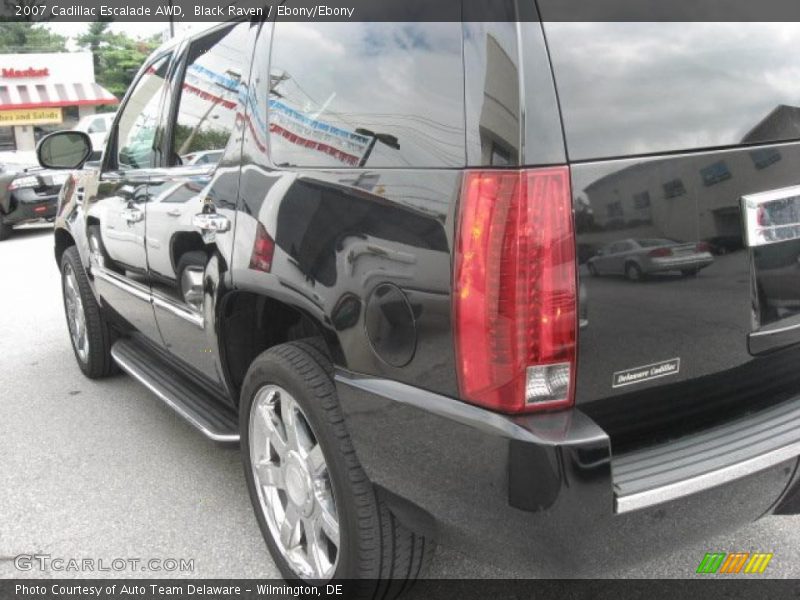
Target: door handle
x=174, y=212
x=132, y=215
x=211, y=221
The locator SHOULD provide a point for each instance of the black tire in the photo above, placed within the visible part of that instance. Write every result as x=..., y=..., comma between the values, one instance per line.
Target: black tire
x=374, y=546
x=193, y=258
x=633, y=272
x=98, y=362
x=690, y=272
x=5, y=229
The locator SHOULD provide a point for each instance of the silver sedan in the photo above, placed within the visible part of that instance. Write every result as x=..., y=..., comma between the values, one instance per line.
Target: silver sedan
x=635, y=258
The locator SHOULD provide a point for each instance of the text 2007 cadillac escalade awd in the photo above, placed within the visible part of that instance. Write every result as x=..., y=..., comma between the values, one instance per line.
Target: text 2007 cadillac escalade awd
x=362, y=250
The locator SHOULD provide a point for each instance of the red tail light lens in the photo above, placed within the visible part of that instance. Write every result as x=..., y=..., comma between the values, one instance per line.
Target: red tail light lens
x=515, y=298
x=263, y=250
x=660, y=252
x=703, y=247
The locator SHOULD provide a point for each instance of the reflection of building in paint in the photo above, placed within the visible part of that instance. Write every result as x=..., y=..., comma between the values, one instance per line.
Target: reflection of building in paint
x=499, y=121
x=293, y=125
x=693, y=197
x=783, y=122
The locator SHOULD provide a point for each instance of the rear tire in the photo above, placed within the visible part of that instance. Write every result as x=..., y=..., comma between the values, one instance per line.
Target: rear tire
x=5, y=229
x=296, y=379
x=690, y=272
x=90, y=334
x=633, y=272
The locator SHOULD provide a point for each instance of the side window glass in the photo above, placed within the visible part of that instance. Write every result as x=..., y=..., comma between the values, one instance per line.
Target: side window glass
x=209, y=94
x=137, y=124
x=368, y=94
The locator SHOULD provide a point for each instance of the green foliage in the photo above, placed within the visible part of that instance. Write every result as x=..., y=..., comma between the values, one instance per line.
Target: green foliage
x=202, y=139
x=117, y=57
x=27, y=38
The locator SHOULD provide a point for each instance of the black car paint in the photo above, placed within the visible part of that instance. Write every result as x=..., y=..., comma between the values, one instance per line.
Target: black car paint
x=516, y=490
x=30, y=203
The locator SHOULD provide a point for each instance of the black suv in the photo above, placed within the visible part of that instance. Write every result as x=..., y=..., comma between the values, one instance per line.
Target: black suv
x=380, y=282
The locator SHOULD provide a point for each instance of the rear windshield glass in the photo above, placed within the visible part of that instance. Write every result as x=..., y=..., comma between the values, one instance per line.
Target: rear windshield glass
x=641, y=88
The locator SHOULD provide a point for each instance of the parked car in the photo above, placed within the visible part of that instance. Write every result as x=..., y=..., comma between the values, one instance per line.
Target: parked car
x=97, y=127
x=375, y=291
x=635, y=258
x=28, y=195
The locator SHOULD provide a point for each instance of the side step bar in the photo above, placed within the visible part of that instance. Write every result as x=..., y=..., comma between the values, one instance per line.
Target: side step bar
x=708, y=459
x=201, y=409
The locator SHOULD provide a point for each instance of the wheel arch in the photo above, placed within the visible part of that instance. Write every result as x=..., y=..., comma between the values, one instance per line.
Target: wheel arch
x=252, y=322
x=63, y=240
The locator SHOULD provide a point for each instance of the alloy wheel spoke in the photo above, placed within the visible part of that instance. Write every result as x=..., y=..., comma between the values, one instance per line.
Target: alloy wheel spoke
x=328, y=523
x=290, y=421
x=314, y=547
x=289, y=526
x=270, y=474
x=274, y=435
x=316, y=461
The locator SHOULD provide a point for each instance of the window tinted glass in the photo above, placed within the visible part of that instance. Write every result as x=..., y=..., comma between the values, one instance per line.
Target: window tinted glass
x=635, y=88
x=375, y=94
x=208, y=102
x=137, y=125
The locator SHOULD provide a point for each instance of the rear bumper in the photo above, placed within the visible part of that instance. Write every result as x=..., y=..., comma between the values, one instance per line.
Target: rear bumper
x=676, y=263
x=27, y=206
x=535, y=494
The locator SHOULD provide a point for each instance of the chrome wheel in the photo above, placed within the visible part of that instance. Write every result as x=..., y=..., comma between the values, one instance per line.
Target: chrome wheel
x=76, y=317
x=293, y=484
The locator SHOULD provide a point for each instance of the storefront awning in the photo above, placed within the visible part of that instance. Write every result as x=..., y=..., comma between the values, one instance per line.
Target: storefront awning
x=42, y=95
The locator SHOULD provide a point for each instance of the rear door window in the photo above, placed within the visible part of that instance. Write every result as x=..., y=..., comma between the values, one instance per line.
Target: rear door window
x=209, y=95
x=367, y=94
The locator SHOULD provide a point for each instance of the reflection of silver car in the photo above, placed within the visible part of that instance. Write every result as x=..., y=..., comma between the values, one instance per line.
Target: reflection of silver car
x=635, y=258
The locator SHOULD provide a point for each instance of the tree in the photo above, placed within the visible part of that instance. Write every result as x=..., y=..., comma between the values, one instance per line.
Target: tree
x=93, y=39
x=27, y=38
x=117, y=57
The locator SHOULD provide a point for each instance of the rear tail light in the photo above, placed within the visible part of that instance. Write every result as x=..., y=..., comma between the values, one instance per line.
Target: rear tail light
x=660, y=252
x=515, y=297
x=703, y=247
x=263, y=250
x=29, y=181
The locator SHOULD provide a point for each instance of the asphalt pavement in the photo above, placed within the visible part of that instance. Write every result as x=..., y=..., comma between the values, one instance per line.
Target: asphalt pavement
x=102, y=470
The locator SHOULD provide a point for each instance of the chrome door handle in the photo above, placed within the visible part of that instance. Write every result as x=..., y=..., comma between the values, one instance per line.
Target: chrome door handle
x=174, y=212
x=132, y=215
x=211, y=221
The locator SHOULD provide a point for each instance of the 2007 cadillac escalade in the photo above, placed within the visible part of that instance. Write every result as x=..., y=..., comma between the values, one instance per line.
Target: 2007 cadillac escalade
x=377, y=280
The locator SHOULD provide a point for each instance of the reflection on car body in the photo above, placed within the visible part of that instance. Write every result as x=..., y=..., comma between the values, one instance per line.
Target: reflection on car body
x=635, y=258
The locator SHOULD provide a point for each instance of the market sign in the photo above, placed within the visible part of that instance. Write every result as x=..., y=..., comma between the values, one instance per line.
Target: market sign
x=30, y=116
x=29, y=72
